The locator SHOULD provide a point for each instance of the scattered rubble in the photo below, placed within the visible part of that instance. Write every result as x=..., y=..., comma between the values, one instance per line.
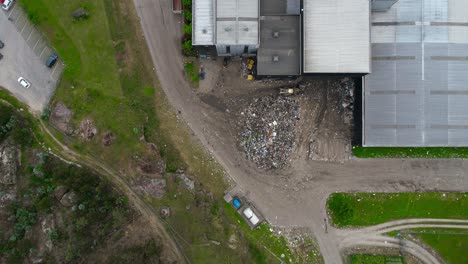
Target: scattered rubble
x=8, y=163
x=268, y=130
x=60, y=118
x=87, y=130
x=165, y=212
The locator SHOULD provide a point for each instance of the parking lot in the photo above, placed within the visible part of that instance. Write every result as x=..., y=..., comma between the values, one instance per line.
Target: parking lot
x=24, y=55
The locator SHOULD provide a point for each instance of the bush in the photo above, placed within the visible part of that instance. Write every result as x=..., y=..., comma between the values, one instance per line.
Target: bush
x=188, y=29
x=188, y=16
x=187, y=4
x=187, y=48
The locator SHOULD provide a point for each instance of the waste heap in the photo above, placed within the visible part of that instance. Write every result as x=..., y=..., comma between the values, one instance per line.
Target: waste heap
x=268, y=130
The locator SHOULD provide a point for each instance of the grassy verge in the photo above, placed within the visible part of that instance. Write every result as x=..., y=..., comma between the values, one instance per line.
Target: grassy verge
x=191, y=73
x=364, y=209
x=374, y=259
x=409, y=152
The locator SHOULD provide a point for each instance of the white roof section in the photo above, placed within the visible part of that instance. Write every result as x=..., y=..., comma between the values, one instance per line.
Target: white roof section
x=336, y=36
x=203, y=22
x=237, y=22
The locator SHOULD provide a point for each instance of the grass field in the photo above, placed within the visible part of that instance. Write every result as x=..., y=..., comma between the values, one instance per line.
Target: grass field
x=375, y=259
x=423, y=152
x=364, y=209
x=109, y=79
x=451, y=244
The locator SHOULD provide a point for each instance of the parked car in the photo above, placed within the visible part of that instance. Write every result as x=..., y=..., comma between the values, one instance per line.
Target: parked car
x=7, y=4
x=50, y=62
x=251, y=216
x=2, y=44
x=24, y=82
x=1, y=56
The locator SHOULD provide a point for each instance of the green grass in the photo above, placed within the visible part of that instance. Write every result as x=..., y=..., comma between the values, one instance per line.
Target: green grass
x=364, y=209
x=451, y=244
x=192, y=73
x=374, y=259
x=410, y=152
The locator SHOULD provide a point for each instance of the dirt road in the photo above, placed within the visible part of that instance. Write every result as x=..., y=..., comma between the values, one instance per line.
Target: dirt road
x=295, y=196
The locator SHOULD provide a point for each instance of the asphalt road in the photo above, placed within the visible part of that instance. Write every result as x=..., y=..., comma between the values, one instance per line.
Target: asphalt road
x=296, y=196
x=24, y=55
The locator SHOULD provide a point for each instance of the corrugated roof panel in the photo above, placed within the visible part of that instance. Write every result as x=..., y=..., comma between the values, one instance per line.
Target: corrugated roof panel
x=203, y=22
x=336, y=36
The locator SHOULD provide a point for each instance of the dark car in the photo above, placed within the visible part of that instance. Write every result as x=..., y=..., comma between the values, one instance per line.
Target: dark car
x=1, y=56
x=2, y=44
x=51, y=60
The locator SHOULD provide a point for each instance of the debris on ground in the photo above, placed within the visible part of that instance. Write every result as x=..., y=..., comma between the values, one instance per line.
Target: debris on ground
x=60, y=118
x=87, y=130
x=151, y=164
x=155, y=188
x=108, y=138
x=9, y=156
x=165, y=212
x=268, y=130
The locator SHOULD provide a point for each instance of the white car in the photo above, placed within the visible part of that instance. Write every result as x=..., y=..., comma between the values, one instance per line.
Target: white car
x=7, y=4
x=249, y=214
x=24, y=83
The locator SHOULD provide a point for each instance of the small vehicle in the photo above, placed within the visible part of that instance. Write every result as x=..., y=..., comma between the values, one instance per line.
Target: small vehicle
x=7, y=4
x=2, y=44
x=250, y=215
x=236, y=203
x=24, y=82
x=50, y=62
x=1, y=56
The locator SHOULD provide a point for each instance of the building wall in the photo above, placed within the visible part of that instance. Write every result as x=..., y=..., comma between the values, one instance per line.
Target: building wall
x=382, y=5
x=235, y=50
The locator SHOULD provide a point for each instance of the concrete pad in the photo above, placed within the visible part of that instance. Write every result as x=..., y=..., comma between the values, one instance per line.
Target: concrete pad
x=19, y=60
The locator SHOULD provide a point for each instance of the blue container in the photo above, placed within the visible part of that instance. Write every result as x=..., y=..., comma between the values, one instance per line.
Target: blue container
x=237, y=203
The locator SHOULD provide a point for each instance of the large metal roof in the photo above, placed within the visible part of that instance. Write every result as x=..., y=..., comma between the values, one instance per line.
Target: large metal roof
x=336, y=36
x=417, y=93
x=237, y=22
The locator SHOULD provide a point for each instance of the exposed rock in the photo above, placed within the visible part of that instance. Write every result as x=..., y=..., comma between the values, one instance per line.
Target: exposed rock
x=153, y=187
x=87, y=130
x=8, y=163
x=69, y=199
x=59, y=192
x=80, y=13
x=47, y=225
x=165, y=212
x=188, y=183
x=60, y=118
x=233, y=241
x=108, y=138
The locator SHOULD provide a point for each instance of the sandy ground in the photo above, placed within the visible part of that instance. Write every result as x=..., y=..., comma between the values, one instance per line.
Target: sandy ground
x=294, y=196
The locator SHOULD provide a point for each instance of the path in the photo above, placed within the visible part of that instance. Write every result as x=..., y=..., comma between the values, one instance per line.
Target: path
x=171, y=251
x=374, y=236
x=293, y=197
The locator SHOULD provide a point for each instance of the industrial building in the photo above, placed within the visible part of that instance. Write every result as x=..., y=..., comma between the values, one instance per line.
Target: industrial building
x=412, y=54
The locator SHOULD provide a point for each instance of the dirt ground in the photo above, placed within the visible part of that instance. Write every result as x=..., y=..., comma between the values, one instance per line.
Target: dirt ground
x=324, y=129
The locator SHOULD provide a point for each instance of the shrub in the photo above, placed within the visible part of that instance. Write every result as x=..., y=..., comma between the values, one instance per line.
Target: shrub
x=187, y=48
x=188, y=16
x=188, y=29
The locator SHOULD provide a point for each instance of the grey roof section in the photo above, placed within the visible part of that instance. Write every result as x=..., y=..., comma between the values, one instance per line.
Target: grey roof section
x=336, y=36
x=279, y=7
x=237, y=22
x=203, y=22
x=417, y=94
x=285, y=46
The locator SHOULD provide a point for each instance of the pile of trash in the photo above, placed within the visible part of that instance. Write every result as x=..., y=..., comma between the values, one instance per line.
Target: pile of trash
x=268, y=130
x=347, y=99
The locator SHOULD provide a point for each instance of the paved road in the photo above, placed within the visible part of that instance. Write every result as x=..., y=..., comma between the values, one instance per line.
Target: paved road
x=297, y=196
x=24, y=55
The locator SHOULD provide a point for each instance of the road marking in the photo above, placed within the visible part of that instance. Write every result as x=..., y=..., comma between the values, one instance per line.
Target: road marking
x=30, y=35
x=36, y=43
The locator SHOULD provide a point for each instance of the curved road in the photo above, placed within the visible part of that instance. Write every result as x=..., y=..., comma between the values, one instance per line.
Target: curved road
x=293, y=197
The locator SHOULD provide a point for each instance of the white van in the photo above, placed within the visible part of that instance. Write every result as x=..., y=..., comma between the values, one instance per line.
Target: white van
x=7, y=4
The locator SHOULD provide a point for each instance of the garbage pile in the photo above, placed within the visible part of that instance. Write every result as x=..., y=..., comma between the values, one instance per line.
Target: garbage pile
x=268, y=130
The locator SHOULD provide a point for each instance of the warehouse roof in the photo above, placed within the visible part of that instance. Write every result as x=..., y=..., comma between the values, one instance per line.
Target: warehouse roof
x=237, y=22
x=336, y=36
x=417, y=92
x=203, y=22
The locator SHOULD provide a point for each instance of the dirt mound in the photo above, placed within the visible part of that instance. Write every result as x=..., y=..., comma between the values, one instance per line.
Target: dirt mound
x=60, y=118
x=87, y=130
x=268, y=130
x=151, y=163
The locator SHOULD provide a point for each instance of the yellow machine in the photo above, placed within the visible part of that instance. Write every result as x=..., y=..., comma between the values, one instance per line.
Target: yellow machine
x=250, y=77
